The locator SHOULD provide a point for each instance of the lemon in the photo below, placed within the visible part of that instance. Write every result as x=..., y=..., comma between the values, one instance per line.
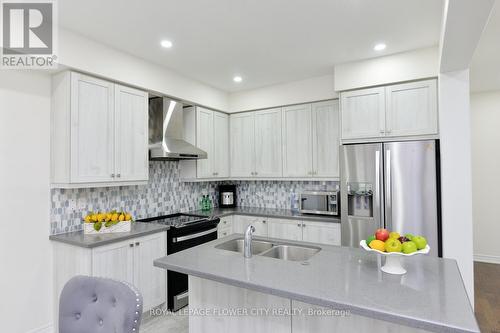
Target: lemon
x=100, y=217
x=122, y=217
x=128, y=217
x=88, y=218
x=114, y=217
x=109, y=216
x=94, y=217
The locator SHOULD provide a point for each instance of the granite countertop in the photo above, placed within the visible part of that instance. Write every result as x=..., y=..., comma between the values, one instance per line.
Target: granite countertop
x=430, y=296
x=271, y=212
x=78, y=238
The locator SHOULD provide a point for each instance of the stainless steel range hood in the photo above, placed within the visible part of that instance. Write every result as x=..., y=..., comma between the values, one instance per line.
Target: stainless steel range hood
x=166, y=128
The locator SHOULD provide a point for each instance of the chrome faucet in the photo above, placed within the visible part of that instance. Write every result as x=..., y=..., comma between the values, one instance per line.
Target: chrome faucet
x=247, y=244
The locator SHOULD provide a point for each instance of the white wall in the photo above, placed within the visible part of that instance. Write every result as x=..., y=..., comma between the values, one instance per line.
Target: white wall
x=25, y=251
x=485, y=116
x=303, y=91
x=80, y=53
x=406, y=66
x=456, y=184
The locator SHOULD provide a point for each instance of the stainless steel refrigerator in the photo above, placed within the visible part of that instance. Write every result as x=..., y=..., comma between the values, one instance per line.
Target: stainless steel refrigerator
x=392, y=185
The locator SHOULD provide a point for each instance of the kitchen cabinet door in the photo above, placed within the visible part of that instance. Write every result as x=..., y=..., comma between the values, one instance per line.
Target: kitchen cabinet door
x=115, y=261
x=268, y=149
x=240, y=224
x=92, y=130
x=150, y=280
x=363, y=113
x=297, y=141
x=325, y=117
x=412, y=109
x=284, y=229
x=204, y=141
x=221, y=145
x=131, y=134
x=321, y=232
x=242, y=145
x=225, y=227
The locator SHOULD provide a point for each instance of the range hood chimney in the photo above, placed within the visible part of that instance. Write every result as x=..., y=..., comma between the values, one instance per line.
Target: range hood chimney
x=166, y=129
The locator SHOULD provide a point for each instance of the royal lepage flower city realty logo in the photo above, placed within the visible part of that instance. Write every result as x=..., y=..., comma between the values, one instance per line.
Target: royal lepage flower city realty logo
x=28, y=36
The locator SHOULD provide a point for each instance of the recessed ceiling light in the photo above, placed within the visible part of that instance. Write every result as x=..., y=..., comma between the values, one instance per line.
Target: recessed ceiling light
x=237, y=78
x=379, y=47
x=166, y=44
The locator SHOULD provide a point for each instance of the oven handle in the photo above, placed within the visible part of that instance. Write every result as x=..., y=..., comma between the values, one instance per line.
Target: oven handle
x=184, y=238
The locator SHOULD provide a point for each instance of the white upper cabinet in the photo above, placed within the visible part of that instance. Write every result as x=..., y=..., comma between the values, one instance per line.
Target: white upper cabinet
x=99, y=132
x=412, y=109
x=408, y=109
x=363, y=113
x=311, y=140
x=297, y=141
x=242, y=145
x=92, y=130
x=131, y=134
x=209, y=131
x=221, y=144
x=268, y=143
x=326, y=139
x=205, y=141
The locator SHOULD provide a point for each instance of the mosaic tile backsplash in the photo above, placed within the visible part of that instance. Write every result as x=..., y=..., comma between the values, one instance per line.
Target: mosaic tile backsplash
x=165, y=194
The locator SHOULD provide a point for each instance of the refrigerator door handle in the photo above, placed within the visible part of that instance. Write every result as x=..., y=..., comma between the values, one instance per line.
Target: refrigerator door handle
x=378, y=184
x=388, y=189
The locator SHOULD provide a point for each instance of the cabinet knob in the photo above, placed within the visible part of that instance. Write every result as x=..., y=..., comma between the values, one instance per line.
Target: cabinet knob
x=131, y=245
x=264, y=221
x=137, y=243
x=299, y=225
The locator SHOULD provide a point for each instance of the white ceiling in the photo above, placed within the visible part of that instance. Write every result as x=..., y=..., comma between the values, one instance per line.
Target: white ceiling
x=266, y=42
x=485, y=66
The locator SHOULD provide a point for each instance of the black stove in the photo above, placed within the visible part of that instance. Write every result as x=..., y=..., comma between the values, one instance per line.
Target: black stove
x=179, y=220
x=186, y=231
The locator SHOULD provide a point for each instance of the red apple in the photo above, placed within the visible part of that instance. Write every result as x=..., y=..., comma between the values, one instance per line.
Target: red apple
x=382, y=234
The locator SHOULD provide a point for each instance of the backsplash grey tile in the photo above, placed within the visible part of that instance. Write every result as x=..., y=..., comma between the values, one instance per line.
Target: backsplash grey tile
x=164, y=194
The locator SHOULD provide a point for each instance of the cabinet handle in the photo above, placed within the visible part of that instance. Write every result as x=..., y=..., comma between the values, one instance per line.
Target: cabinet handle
x=119, y=175
x=299, y=225
x=303, y=225
x=137, y=243
x=264, y=221
x=131, y=245
x=382, y=131
x=112, y=175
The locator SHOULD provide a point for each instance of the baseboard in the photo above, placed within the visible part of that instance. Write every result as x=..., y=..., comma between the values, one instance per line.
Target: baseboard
x=487, y=258
x=44, y=329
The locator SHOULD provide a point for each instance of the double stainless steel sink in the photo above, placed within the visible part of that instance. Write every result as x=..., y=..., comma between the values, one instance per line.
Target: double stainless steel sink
x=283, y=251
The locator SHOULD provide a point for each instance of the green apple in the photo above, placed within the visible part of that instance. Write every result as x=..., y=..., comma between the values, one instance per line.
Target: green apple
x=369, y=239
x=420, y=241
x=409, y=247
x=409, y=236
x=394, y=234
x=393, y=245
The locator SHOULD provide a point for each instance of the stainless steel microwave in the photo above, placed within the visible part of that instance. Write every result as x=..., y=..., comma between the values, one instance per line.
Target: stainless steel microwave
x=319, y=202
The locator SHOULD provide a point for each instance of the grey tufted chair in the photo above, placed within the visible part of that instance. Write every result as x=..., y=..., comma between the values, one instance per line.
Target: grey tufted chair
x=91, y=305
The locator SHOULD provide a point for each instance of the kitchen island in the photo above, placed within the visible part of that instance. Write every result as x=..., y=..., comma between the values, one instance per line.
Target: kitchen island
x=337, y=289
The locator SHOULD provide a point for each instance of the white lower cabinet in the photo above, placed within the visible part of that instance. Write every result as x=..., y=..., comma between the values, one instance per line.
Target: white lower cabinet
x=240, y=224
x=309, y=231
x=284, y=229
x=321, y=232
x=130, y=261
x=225, y=227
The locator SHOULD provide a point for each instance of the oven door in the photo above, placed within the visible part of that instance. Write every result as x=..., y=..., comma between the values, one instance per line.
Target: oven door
x=178, y=240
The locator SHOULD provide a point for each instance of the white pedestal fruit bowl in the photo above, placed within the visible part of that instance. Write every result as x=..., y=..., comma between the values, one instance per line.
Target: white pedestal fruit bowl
x=393, y=259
